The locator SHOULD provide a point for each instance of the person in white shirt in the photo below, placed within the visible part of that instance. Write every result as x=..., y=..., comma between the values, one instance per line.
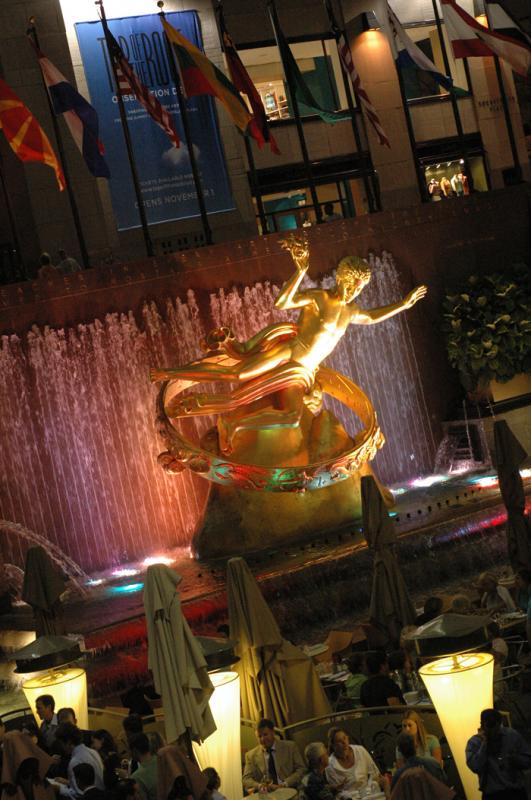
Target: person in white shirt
x=493, y=596
x=350, y=766
x=67, y=264
x=71, y=740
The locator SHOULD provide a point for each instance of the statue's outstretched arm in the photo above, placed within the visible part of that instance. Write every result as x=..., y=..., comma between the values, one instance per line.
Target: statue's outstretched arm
x=300, y=253
x=374, y=315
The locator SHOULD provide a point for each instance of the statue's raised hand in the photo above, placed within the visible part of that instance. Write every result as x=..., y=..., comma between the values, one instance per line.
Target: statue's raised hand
x=414, y=296
x=298, y=248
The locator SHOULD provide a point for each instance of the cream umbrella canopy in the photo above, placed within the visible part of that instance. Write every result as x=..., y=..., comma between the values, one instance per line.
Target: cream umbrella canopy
x=176, y=659
x=391, y=607
x=277, y=680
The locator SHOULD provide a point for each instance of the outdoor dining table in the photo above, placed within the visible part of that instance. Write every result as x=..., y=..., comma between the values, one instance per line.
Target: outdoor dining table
x=509, y=620
x=284, y=793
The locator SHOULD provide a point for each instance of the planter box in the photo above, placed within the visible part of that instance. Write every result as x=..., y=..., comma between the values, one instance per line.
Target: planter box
x=520, y=384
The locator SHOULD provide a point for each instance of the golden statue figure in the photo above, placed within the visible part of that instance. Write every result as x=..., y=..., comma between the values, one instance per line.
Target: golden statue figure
x=282, y=359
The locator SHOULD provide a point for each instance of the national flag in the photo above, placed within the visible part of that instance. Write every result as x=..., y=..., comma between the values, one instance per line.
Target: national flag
x=469, y=39
x=303, y=93
x=502, y=22
x=200, y=76
x=24, y=134
x=406, y=53
x=79, y=115
x=345, y=56
x=258, y=126
x=130, y=83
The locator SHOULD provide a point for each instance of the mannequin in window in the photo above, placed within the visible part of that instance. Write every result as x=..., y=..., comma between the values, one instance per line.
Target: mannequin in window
x=446, y=186
x=434, y=189
x=464, y=180
x=457, y=184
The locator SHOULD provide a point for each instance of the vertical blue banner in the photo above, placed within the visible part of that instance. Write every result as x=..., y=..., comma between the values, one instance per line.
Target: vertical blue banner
x=164, y=171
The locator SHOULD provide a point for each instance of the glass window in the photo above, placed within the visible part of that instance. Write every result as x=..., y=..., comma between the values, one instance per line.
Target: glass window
x=319, y=64
x=446, y=180
x=290, y=210
x=420, y=83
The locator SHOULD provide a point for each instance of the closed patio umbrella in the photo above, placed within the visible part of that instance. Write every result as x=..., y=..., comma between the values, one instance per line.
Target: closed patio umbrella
x=509, y=455
x=277, y=680
x=42, y=589
x=391, y=607
x=176, y=660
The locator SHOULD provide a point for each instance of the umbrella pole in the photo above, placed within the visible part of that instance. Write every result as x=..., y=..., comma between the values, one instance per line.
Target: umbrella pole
x=185, y=743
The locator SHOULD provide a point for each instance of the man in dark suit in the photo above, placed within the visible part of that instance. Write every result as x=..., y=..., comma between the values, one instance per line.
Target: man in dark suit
x=85, y=777
x=274, y=762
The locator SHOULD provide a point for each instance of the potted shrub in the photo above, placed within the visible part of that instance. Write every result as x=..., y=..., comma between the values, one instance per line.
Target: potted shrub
x=487, y=323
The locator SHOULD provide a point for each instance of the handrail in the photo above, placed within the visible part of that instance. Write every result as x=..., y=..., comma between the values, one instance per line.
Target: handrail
x=354, y=713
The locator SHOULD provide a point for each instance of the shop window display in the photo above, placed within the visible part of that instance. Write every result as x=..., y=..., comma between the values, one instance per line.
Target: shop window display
x=447, y=180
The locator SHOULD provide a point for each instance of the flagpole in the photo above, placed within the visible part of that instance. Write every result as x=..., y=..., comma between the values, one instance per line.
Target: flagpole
x=505, y=105
x=128, y=143
x=32, y=31
x=347, y=86
x=12, y=223
x=453, y=99
x=411, y=135
x=248, y=146
x=256, y=184
x=187, y=132
x=302, y=141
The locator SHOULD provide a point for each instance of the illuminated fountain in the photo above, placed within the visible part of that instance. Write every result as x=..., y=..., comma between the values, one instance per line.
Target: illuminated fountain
x=273, y=435
x=79, y=445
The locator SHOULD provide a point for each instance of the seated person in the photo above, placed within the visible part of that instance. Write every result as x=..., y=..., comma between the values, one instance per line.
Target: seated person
x=402, y=672
x=146, y=774
x=426, y=744
x=408, y=759
x=350, y=767
x=419, y=783
x=276, y=758
x=102, y=741
x=522, y=586
x=314, y=784
x=379, y=689
x=432, y=608
x=214, y=783
x=357, y=677
x=493, y=596
x=71, y=739
x=84, y=775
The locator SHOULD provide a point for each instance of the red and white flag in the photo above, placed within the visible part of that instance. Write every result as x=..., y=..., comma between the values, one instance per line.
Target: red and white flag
x=469, y=38
x=348, y=65
x=130, y=83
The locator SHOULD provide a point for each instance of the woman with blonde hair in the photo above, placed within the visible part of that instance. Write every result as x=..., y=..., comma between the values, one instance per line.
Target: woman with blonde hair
x=426, y=744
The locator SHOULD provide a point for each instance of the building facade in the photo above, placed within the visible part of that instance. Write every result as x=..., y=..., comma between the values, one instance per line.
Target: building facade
x=434, y=161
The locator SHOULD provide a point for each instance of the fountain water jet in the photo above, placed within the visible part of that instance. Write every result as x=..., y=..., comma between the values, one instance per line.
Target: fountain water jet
x=79, y=445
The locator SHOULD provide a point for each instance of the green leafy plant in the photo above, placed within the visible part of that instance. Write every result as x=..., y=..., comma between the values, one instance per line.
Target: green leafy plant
x=488, y=327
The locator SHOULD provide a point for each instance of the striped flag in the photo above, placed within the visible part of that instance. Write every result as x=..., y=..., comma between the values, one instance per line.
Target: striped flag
x=200, y=76
x=129, y=83
x=469, y=38
x=345, y=56
x=80, y=117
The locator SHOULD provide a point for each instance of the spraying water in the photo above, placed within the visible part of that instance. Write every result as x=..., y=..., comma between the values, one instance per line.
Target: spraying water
x=79, y=446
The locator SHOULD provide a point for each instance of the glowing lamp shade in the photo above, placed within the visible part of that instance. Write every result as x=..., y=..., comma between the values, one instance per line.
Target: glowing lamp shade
x=460, y=687
x=68, y=688
x=222, y=748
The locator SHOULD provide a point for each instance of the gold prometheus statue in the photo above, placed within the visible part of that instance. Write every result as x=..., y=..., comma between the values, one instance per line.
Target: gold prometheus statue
x=277, y=370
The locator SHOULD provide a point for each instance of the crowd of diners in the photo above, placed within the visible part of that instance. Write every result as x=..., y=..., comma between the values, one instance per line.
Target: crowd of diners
x=59, y=760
